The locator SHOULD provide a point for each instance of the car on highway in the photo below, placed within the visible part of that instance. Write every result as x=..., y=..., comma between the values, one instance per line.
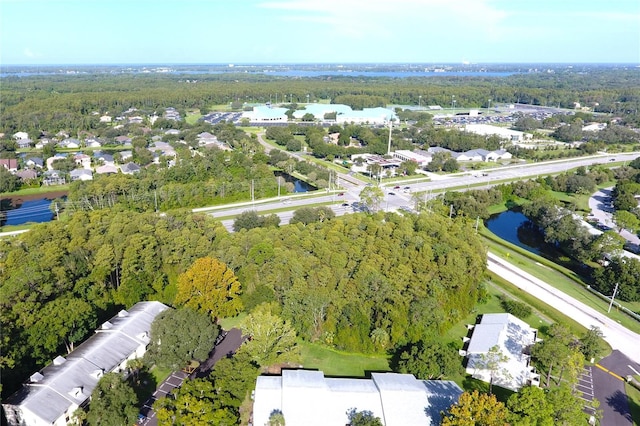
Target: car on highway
x=396, y=187
x=345, y=204
x=341, y=194
x=392, y=193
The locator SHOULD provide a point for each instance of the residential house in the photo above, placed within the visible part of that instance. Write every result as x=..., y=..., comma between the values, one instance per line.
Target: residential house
x=50, y=160
x=10, y=164
x=53, y=177
x=27, y=174
x=513, y=338
x=42, y=142
x=93, y=143
x=105, y=119
x=136, y=120
x=69, y=143
x=103, y=157
x=172, y=132
x=80, y=174
x=130, y=168
x=106, y=169
x=53, y=394
x=83, y=160
x=34, y=162
x=309, y=398
x=126, y=155
x=122, y=140
x=24, y=143
x=20, y=135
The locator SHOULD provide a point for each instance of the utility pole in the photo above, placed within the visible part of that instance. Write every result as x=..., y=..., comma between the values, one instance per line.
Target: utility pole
x=155, y=199
x=252, y=195
x=390, y=129
x=450, y=211
x=615, y=290
x=278, y=186
x=57, y=212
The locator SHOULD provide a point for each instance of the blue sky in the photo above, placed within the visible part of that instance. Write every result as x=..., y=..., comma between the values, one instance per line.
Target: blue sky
x=318, y=31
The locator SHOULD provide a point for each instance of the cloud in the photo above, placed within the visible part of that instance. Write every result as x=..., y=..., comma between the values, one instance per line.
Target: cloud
x=29, y=53
x=364, y=18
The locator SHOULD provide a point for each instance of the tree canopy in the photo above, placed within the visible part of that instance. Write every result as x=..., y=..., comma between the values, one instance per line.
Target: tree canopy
x=211, y=287
x=113, y=402
x=180, y=335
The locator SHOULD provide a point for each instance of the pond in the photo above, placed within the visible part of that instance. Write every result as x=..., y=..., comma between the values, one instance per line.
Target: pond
x=25, y=209
x=515, y=227
x=298, y=185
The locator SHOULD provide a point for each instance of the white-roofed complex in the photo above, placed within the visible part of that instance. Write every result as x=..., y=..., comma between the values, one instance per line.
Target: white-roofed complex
x=308, y=398
x=267, y=113
x=488, y=130
x=55, y=392
x=514, y=339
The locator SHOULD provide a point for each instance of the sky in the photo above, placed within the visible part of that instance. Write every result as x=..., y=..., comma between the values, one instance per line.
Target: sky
x=37, y=32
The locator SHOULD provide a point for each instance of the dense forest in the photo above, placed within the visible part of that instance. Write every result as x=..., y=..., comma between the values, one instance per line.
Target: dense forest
x=53, y=103
x=363, y=283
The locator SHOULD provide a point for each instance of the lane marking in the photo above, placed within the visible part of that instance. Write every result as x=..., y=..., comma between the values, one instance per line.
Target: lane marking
x=610, y=372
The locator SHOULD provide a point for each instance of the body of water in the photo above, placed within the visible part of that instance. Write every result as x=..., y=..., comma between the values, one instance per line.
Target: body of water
x=298, y=185
x=515, y=227
x=35, y=211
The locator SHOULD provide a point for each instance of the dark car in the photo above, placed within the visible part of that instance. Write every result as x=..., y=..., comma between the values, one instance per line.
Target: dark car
x=396, y=187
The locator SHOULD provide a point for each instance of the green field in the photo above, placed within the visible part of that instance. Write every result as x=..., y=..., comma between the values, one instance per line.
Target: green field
x=633, y=396
x=337, y=363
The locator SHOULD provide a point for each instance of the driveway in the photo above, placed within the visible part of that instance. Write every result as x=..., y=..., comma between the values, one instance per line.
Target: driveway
x=227, y=347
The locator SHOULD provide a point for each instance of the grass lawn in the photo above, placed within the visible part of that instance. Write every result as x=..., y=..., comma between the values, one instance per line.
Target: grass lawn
x=232, y=322
x=337, y=363
x=193, y=117
x=633, y=396
x=35, y=191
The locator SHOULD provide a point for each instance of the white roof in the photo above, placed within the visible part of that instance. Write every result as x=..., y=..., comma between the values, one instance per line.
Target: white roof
x=69, y=382
x=513, y=336
x=308, y=398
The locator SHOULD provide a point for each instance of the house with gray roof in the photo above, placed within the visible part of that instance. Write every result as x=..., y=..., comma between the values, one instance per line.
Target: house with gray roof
x=130, y=168
x=80, y=174
x=309, y=398
x=52, y=395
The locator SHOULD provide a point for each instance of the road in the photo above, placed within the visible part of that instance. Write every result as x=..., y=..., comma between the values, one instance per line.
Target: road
x=616, y=335
x=601, y=210
x=426, y=189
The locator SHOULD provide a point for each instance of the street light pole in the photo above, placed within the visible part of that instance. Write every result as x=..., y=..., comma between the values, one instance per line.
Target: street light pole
x=419, y=101
x=615, y=290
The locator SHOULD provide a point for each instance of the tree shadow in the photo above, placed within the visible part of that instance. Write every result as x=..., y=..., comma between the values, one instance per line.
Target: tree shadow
x=620, y=404
x=144, y=384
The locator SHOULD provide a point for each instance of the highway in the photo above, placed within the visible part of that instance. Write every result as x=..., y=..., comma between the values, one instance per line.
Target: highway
x=618, y=336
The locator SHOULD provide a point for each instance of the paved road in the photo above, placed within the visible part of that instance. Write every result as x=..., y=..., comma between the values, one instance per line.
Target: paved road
x=619, y=337
x=609, y=388
x=600, y=205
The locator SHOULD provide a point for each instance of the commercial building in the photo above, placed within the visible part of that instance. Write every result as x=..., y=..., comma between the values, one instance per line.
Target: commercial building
x=53, y=394
x=308, y=398
x=504, y=133
x=514, y=339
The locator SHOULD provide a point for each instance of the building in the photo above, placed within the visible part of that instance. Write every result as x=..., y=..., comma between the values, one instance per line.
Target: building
x=514, y=338
x=489, y=130
x=80, y=174
x=54, y=393
x=308, y=398
x=266, y=113
x=10, y=164
x=372, y=116
x=406, y=155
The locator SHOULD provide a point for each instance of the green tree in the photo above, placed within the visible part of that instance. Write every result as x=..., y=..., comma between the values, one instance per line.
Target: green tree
x=8, y=181
x=371, y=197
x=626, y=220
x=180, y=335
x=494, y=361
x=113, y=402
x=476, y=409
x=210, y=286
x=529, y=407
x=430, y=360
x=234, y=377
x=362, y=418
x=276, y=418
x=307, y=215
x=270, y=338
x=554, y=350
x=194, y=403
x=567, y=406
x=591, y=342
